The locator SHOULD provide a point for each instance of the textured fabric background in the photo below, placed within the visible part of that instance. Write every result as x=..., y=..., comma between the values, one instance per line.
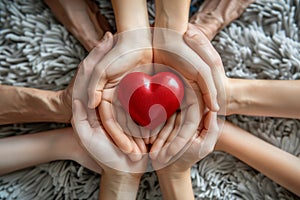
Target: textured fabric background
x=37, y=51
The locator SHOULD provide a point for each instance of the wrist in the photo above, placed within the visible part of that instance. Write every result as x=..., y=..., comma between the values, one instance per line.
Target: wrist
x=118, y=185
x=173, y=174
x=63, y=99
x=130, y=14
x=171, y=22
x=239, y=97
x=125, y=39
x=175, y=185
x=172, y=15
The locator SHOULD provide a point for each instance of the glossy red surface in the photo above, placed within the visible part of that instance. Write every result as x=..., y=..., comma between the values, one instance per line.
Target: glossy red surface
x=150, y=100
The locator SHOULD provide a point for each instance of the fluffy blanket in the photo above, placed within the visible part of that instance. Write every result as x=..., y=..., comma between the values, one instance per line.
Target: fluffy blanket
x=37, y=51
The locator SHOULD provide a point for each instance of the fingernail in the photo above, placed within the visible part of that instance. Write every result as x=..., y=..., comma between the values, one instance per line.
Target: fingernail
x=106, y=36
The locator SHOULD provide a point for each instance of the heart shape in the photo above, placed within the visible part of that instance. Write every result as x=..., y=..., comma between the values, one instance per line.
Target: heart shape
x=150, y=100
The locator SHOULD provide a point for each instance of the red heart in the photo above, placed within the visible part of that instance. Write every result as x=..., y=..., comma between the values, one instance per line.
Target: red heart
x=150, y=100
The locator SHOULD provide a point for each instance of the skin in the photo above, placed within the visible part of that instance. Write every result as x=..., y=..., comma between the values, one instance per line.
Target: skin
x=268, y=98
x=178, y=173
x=120, y=176
x=214, y=15
x=43, y=147
x=278, y=165
x=82, y=18
x=170, y=24
x=107, y=73
x=34, y=105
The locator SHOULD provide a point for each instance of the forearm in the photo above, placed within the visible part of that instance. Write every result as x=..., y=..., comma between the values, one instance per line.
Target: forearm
x=277, y=98
x=172, y=14
x=275, y=163
x=175, y=185
x=130, y=14
x=82, y=18
x=19, y=152
x=119, y=185
x=21, y=105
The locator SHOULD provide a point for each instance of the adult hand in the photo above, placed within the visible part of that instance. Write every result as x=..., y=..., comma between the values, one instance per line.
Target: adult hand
x=202, y=46
x=82, y=18
x=130, y=52
x=179, y=56
x=88, y=127
x=214, y=15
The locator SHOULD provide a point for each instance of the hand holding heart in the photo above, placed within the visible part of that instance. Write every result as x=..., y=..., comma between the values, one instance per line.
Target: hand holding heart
x=178, y=132
x=150, y=101
x=106, y=76
x=88, y=127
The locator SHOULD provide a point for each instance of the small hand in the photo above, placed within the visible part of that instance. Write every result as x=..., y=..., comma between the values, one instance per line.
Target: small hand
x=176, y=135
x=179, y=56
x=200, y=146
x=87, y=126
x=130, y=52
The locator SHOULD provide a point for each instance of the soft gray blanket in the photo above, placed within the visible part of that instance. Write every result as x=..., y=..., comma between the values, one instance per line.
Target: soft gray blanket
x=37, y=51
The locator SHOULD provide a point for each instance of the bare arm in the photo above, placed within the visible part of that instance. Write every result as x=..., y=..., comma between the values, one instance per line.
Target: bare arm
x=82, y=18
x=172, y=14
x=19, y=152
x=175, y=185
x=278, y=165
x=21, y=105
x=119, y=185
x=130, y=14
x=277, y=98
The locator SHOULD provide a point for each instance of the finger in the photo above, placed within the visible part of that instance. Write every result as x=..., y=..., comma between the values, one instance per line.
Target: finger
x=203, y=47
x=98, y=70
x=135, y=155
x=113, y=129
x=140, y=143
x=122, y=118
x=114, y=66
x=188, y=64
x=145, y=134
x=208, y=135
x=186, y=132
x=139, y=149
x=155, y=132
x=162, y=152
x=163, y=135
x=87, y=66
x=80, y=121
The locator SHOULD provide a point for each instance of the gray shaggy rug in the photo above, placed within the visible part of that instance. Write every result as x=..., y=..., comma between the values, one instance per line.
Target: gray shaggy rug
x=37, y=51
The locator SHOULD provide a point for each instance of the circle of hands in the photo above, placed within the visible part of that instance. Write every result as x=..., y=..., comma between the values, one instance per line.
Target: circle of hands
x=106, y=131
